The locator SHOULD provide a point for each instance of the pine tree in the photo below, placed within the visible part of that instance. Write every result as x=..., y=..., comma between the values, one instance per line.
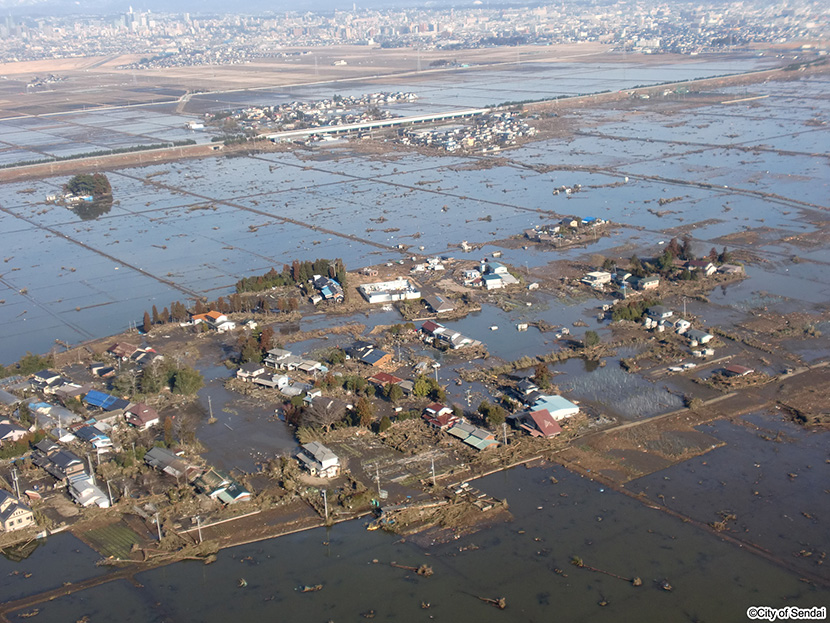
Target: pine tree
x=155, y=315
x=147, y=324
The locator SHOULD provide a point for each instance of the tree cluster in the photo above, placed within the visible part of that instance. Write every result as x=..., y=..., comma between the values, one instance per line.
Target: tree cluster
x=26, y=365
x=96, y=185
x=632, y=310
x=494, y=414
x=428, y=386
x=297, y=273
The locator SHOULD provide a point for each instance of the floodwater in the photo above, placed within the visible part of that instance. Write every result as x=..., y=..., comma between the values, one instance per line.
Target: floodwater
x=194, y=227
x=711, y=580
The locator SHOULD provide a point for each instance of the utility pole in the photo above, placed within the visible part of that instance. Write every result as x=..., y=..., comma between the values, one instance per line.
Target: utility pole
x=377, y=477
x=16, y=484
x=91, y=471
x=109, y=491
x=158, y=525
x=325, y=506
x=433, y=471
x=504, y=431
x=199, y=527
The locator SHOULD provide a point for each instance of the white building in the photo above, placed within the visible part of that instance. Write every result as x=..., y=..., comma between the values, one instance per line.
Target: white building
x=388, y=291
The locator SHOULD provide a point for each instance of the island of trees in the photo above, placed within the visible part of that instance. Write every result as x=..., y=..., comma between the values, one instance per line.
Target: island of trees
x=96, y=185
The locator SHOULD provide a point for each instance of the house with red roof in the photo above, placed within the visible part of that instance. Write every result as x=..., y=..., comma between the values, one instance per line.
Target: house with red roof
x=440, y=416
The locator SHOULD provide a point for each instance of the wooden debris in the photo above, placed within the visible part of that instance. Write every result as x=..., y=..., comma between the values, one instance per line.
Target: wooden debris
x=310, y=589
x=500, y=603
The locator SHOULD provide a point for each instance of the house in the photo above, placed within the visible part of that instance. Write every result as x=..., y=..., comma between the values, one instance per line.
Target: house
x=86, y=493
x=107, y=402
x=122, y=350
x=494, y=268
x=704, y=266
x=597, y=278
x=165, y=461
x=7, y=399
x=438, y=304
x=93, y=436
x=11, y=433
x=233, y=493
x=478, y=438
x=215, y=320
x=681, y=325
x=101, y=370
x=71, y=391
x=319, y=460
x=377, y=358
x=524, y=388
x=492, y=281
x=60, y=463
x=276, y=356
x=14, y=515
x=646, y=283
x=48, y=415
x=736, y=370
x=328, y=288
x=45, y=378
x=539, y=423
x=247, y=371
x=141, y=416
x=557, y=406
x=212, y=482
x=440, y=416
x=696, y=336
x=731, y=269
x=658, y=312
x=382, y=379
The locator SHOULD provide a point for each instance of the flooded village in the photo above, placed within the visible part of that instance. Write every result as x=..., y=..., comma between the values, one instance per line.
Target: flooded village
x=582, y=374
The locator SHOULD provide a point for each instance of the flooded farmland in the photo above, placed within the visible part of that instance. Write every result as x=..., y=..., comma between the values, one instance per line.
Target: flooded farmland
x=751, y=176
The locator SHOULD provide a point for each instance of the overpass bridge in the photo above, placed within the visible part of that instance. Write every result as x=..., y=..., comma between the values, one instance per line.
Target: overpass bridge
x=374, y=125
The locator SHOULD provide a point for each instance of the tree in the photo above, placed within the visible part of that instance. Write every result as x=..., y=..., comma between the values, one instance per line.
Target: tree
x=167, y=426
x=124, y=384
x=152, y=380
x=666, y=261
x=421, y=387
x=725, y=257
x=637, y=267
x=385, y=424
x=541, y=375
x=336, y=357
x=393, y=392
x=609, y=265
x=147, y=323
x=323, y=413
x=266, y=339
x=187, y=381
x=365, y=411
x=591, y=339
x=494, y=414
x=155, y=315
x=250, y=351
x=687, y=253
x=713, y=255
